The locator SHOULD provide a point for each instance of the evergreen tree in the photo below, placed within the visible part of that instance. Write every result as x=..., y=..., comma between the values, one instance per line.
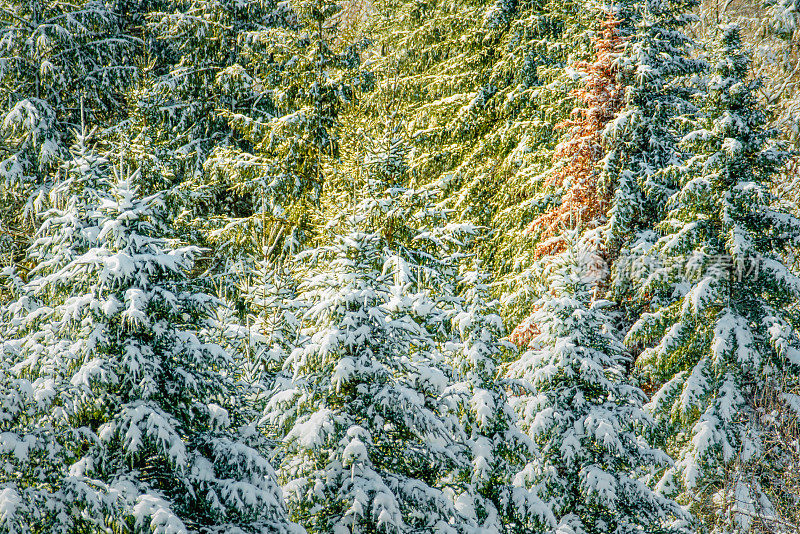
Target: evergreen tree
x=262, y=325
x=370, y=443
x=499, y=450
x=643, y=140
x=586, y=418
x=116, y=413
x=60, y=64
x=204, y=66
x=729, y=336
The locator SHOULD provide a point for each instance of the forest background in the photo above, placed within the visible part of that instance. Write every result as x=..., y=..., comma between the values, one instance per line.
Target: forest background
x=402, y=266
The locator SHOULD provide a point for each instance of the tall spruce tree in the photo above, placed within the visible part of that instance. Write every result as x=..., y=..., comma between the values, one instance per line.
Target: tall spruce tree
x=60, y=63
x=499, y=450
x=644, y=138
x=116, y=413
x=368, y=444
x=729, y=336
x=584, y=202
x=586, y=417
x=371, y=442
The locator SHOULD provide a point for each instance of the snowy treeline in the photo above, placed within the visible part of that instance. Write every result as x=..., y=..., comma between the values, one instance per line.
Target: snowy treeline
x=494, y=266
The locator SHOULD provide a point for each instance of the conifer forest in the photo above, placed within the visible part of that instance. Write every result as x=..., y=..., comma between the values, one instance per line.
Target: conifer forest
x=400, y=266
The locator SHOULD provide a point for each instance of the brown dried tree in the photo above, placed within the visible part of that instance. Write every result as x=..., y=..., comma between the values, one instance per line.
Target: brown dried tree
x=584, y=203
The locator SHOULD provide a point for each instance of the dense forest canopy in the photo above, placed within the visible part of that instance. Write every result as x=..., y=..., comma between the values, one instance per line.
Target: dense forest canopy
x=480, y=266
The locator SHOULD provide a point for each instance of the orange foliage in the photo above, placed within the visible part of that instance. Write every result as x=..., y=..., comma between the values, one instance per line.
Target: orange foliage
x=525, y=331
x=584, y=204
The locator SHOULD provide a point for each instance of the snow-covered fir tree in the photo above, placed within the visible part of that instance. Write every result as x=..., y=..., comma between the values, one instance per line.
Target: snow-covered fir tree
x=643, y=140
x=261, y=324
x=728, y=338
x=370, y=441
x=57, y=61
x=585, y=416
x=366, y=444
x=499, y=449
x=37, y=447
x=117, y=414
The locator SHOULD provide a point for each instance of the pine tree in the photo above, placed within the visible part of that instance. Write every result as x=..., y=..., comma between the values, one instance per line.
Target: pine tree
x=586, y=418
x=371, y=443
x=366, y=446
x=117, y=414
x=60, y=63
x=499, y=450
x=727, y=339
x=643, y=140
x=262, y=325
